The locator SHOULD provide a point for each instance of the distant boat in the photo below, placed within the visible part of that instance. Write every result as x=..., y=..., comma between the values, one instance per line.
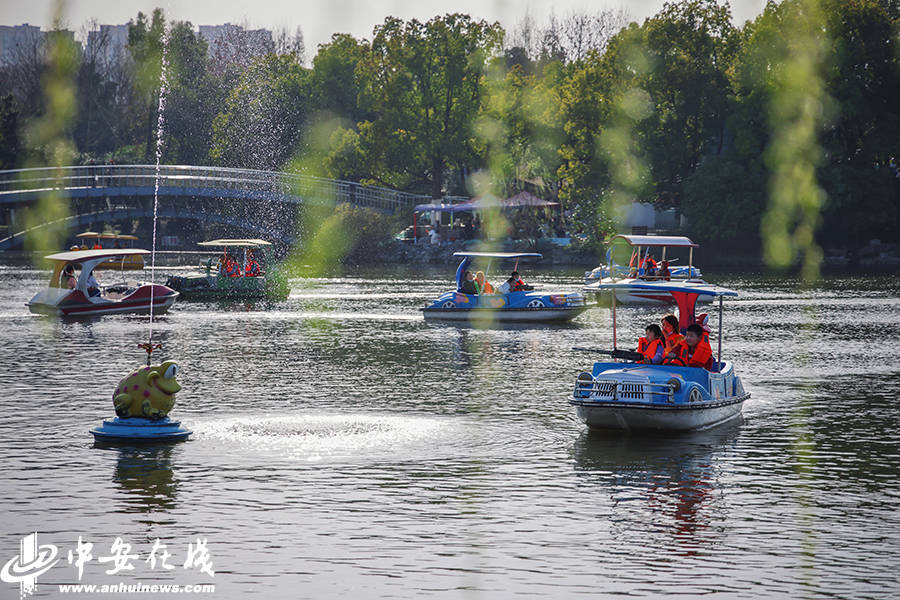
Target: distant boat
x=509, y=307
x=81, y=301
x=243, y=271
x=644, y=269
x=123, y=241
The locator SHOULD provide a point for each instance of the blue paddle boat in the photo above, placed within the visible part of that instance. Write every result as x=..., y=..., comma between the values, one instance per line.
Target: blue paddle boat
x=631, y=395
x=643, y=268
x=503, y=306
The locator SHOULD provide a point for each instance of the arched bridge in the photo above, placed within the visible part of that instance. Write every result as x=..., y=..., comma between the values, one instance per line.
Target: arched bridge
x=261, y=202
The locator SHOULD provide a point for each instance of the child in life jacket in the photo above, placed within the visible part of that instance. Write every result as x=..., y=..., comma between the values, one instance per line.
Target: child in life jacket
x=651, y=346
x=671, y=336
x=693, y=351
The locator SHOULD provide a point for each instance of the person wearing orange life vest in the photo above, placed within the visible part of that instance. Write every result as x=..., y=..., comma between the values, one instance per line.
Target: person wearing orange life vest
x=231, y=267
x=252, y=269
x=484, y=286
x=671, y=336
x=649, y=266
x=651, y=346
x=693, y=351
x=516, y=284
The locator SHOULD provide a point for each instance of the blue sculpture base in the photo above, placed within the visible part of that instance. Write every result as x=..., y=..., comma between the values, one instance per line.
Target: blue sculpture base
x=138, y=430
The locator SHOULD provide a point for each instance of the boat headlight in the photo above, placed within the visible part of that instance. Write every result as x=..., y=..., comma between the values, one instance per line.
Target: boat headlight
x=675, y=384
x=171, y=372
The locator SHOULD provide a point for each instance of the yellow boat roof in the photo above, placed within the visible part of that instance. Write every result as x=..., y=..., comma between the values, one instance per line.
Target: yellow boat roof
x=82, y=255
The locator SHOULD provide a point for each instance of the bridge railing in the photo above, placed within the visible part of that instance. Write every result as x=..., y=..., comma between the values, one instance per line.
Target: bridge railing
x=190, y=177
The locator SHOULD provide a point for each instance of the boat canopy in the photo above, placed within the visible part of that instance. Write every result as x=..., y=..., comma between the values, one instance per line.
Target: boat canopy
x=83, y=255
x=520, y=200
x=501, y=254
x=236, y=243
x=687, y=287
x=435, y=207
x=685, y=295
x=107, y=235
x=656, y=240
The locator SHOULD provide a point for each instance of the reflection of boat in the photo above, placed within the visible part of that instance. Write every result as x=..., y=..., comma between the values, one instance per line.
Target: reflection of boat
x=120, y=297
x=642, y=269
x=662, y=397
x=242, y=272
x=118, y=241
x=676, y=474
x=515, y=306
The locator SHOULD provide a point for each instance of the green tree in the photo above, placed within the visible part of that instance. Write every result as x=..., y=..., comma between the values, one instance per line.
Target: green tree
x=10, y=137
x=336, y=80
x=145, y=43
x=264, y=117
x=193, y=100
x=424, y=82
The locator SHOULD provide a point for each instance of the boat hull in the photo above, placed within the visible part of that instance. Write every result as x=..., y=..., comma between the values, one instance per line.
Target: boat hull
x=74, y=304
x=620, y=416
x=510, y=315
x=637, y=396
x=206, y=288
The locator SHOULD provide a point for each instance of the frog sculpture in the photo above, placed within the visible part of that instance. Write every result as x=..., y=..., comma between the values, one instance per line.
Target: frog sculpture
x=148, y=392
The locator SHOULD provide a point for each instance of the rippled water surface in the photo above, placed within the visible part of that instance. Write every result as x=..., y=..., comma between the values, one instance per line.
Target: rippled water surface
x=343, y=446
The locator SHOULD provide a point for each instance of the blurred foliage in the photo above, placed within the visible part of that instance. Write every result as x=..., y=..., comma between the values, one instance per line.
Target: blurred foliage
x=49, y=136
x=10, y=135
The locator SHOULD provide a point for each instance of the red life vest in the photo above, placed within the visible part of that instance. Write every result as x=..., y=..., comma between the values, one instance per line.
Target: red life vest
x=648, y=349
x=232, y=269
x=699, y=356
x=252, y=269
x=672, y=342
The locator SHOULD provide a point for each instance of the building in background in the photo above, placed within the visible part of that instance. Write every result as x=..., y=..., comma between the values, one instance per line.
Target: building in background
x=230, y=44
x=21, y=43
x=109, y=42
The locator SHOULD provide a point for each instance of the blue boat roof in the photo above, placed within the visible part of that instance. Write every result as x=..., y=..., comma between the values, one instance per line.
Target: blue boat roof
x=501, y=254
x=686, y=287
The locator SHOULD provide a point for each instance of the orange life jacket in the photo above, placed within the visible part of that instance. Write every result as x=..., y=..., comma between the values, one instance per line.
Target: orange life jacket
x=672, y=342
x=232, y=269
x=488, y=288
x=648, y=349
x=699, y=356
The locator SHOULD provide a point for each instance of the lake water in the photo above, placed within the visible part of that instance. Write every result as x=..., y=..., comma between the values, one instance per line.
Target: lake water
x=344, y=447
